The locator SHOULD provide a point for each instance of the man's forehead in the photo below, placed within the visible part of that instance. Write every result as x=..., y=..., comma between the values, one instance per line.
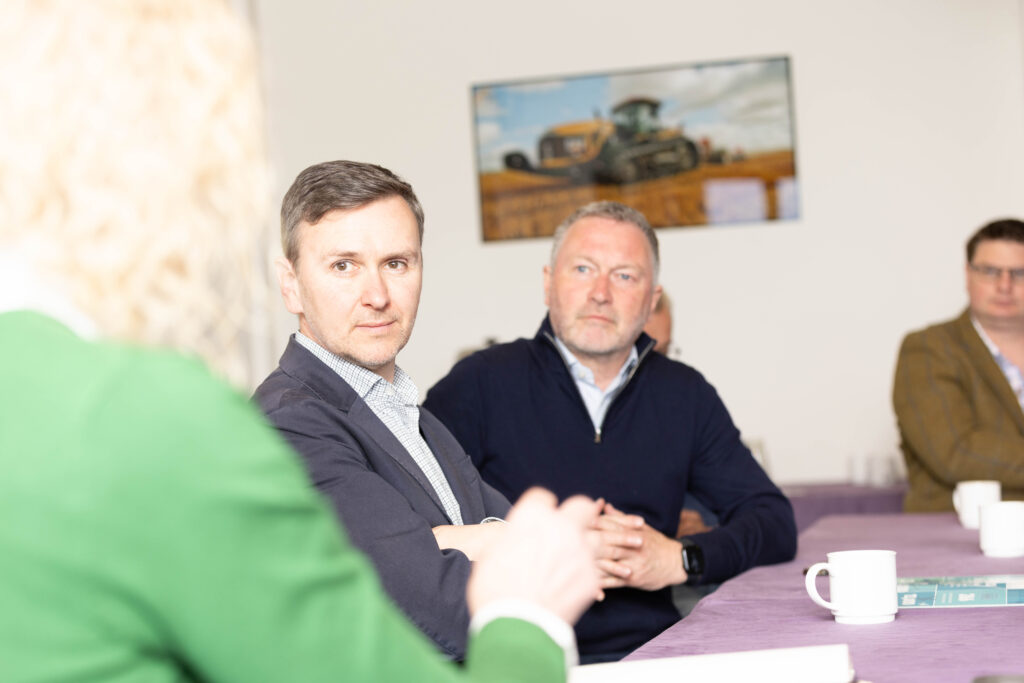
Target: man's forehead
x=1001, y=250
x=388, y=221
x=606, y=236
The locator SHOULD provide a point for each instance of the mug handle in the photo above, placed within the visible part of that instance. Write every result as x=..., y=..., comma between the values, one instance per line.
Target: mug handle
x=812, y=588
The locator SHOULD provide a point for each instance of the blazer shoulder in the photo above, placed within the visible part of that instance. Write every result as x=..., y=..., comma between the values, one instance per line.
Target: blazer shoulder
x=958, y=332
x=301, y=377
x=280, y=389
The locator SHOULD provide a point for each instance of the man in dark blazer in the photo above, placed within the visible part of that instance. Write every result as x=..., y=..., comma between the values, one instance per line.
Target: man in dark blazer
x=407, y=493
x=958, y=390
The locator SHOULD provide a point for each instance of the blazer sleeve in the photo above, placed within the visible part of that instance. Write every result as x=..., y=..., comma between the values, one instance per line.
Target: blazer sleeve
x=428, y=584
x=938, y=396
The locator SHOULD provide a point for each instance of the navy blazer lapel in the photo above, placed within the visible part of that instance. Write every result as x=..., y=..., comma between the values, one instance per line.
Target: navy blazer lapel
x=363, y=416
x=298, y=362
x=441, y=442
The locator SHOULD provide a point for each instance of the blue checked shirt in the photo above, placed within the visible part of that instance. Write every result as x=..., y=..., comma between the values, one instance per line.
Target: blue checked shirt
x=1010, y=371
x=396, y=406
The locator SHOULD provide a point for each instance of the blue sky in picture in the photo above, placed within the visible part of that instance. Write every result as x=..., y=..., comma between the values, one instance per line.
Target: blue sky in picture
x=735, y=105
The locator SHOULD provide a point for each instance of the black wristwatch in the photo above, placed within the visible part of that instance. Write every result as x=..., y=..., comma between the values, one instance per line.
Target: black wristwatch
x=693, y=560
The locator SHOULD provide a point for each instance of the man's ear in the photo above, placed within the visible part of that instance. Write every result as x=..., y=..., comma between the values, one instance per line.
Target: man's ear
x=655, y=298
x=547, y=286
x=288, y=279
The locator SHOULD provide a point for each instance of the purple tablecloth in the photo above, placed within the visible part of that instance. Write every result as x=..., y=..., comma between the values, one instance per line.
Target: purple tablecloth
x=767, y=607
x=811, y=502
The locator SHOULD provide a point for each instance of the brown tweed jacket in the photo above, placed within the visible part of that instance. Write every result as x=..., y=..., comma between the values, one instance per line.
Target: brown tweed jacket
x=958, y=417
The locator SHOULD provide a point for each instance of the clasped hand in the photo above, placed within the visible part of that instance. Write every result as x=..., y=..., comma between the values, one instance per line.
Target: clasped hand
x=543, y=556
x=632, y=553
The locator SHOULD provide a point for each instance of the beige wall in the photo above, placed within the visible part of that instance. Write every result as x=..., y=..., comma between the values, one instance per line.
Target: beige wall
x=910, y=133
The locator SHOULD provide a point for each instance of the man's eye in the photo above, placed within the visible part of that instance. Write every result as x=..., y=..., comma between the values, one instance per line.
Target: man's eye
x=396, y=265
x=625, y=277
x=342, y=266
x=581, y=269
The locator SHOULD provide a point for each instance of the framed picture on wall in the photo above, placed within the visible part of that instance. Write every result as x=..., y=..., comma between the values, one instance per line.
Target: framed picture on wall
x=691, y=145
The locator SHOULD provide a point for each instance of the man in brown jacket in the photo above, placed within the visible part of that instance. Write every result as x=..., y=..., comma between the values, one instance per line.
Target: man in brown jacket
x=959, y=389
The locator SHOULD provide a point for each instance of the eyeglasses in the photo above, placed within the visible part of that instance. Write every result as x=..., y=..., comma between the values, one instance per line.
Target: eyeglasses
x=994, y=274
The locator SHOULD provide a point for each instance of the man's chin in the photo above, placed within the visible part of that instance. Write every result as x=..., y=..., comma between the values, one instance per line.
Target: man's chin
x=995, y=318
x=595, y=348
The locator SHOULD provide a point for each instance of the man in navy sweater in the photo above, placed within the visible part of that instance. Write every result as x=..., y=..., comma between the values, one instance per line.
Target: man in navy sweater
x=587, y=407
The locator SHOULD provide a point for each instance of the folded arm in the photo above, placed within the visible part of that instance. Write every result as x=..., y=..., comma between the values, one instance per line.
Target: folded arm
x=472, y=540
x=391, y=526
x=756, y=524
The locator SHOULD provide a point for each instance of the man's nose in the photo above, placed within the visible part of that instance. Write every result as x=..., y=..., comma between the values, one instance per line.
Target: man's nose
x=1005, y=279
x=601, y=291
x=375, y=291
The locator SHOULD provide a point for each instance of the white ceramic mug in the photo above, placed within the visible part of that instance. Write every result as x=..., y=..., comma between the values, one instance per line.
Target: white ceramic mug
x=970, y=496
x=1002, y=529
x=862, y=586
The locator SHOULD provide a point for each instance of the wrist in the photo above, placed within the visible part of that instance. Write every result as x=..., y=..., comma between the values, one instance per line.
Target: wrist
x=679, y=575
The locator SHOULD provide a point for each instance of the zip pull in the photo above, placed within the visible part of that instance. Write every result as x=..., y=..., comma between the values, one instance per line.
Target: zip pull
x=597, y=436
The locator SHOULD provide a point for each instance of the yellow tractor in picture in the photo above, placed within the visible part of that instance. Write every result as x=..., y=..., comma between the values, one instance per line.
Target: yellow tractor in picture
x=631, y=146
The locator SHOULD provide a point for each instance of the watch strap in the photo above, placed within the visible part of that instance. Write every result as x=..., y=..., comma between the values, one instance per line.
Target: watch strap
x=693, y=560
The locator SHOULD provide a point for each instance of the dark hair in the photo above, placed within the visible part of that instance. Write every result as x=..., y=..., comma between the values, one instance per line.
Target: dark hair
x=1009, y=229
x=334, y=185
x=616, y=212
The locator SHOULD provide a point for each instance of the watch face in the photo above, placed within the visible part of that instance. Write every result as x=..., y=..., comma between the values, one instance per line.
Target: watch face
x=693, y=560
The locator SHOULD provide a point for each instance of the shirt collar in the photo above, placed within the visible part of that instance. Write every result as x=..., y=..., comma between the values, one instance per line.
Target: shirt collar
x=577, y=368
x=362, y=380
x=991, y=345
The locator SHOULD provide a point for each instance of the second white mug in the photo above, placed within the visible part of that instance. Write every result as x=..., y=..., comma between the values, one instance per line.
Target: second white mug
x=1002, y=529
x=970, y=496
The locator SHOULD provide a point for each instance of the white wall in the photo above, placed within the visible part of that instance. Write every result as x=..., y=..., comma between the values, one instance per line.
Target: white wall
x=910, y=134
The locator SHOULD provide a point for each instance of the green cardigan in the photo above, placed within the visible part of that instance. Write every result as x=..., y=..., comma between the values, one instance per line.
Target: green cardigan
x=154, y=528
x=958, y=417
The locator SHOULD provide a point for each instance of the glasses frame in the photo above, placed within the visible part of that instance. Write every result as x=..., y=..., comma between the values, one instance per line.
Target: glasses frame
x=995, y=274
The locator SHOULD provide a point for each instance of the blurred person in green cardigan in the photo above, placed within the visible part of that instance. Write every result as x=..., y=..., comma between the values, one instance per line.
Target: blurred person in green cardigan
x=154, y=528
x=959, y=391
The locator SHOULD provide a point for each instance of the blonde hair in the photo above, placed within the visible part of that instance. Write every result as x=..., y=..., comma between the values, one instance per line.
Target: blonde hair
x=132, y=166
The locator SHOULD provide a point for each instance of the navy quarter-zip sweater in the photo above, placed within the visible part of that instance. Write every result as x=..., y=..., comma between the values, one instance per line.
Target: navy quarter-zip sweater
x=516, y=410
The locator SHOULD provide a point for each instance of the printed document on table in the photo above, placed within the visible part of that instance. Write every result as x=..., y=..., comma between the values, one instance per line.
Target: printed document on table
x=961, y=591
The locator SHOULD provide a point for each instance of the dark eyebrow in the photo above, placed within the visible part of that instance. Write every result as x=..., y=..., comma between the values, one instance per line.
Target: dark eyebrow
x=341, y=255
x=411, y=255
x=405, y=255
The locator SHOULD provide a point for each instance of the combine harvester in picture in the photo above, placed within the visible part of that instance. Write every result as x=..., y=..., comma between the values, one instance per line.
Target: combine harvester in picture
x=632, y=146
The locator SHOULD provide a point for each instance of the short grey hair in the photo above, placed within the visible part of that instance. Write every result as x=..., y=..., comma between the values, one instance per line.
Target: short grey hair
x=616, y=212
